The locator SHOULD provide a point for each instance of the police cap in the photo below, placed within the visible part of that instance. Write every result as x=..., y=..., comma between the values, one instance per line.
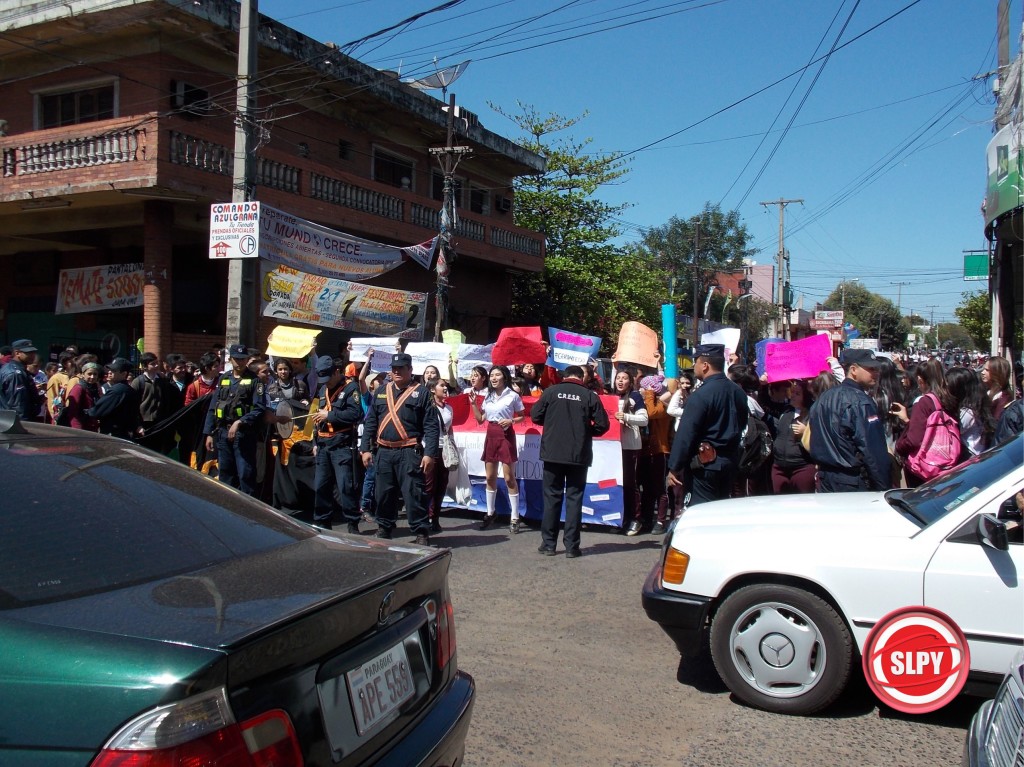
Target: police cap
x=401, y=361
x=865, y=358
x=238, y=352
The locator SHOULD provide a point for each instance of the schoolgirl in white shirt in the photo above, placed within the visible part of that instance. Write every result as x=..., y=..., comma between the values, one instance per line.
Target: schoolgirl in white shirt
x=501, y=408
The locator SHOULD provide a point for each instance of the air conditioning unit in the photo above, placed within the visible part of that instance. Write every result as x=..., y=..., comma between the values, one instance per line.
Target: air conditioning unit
x=503, y=204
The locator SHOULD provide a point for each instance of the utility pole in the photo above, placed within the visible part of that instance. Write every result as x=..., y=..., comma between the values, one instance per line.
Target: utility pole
x=899, y=293
x=241, y=306
x=448, y=158
x=934, y=327
x=783, y=318
x=696, y=281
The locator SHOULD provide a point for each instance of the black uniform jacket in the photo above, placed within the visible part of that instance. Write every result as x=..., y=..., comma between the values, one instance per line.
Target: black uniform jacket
x=118, y=411
x=416, y=415
x=847, y=434
x=572, y=415
x=345, y=414
x=716, y=413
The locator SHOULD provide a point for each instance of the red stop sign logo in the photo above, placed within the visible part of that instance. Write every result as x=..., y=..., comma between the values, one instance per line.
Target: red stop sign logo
x=916, y=660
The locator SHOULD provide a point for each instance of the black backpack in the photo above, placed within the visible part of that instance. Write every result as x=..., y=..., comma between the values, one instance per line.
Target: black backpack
x=756, y=447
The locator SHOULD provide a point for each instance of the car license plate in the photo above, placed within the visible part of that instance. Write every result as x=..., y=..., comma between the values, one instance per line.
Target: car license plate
x=379, y=686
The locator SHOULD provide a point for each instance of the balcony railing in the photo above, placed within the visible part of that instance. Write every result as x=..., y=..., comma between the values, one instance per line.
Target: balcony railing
x=516, y=241
x=198, y=153
x=117, y=146
x=430, y=218
x=359, y=198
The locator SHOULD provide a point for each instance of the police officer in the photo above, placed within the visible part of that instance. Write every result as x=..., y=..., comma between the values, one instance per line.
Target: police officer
x=572, y=415
x=336, y=443
x=118, y=409
x=237, y=411
x=708, y=438
x=402, y=425
x=17, y=389
x=847, y=435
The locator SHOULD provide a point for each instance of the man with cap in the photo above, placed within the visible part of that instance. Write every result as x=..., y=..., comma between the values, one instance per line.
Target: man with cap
x=118, y=409
x=707, y=442
x=402, y=426
x=17, y=389
x=847, y=435
x=336, y=443
x=237, y=410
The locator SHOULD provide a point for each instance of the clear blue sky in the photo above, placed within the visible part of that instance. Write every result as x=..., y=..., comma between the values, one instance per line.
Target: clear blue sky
x=887, y=151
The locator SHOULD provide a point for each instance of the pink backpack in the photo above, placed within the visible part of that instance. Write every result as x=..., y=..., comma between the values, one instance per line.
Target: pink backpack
x=940, y=445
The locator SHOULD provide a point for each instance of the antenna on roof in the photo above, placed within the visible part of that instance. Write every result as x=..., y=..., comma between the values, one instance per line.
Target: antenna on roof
x=442, y=78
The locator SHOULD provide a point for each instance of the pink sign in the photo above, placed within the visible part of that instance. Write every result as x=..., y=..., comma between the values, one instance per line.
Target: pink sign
x=797, y=359
x=517, y=346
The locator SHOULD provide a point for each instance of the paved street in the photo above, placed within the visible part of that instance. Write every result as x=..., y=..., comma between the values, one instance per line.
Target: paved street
x=570, y=671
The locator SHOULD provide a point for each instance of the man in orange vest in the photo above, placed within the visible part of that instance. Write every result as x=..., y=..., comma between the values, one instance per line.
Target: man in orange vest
x=335, y=440
x=403, y=428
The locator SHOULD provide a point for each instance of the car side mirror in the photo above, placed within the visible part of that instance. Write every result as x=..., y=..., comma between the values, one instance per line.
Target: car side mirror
x=992, y=532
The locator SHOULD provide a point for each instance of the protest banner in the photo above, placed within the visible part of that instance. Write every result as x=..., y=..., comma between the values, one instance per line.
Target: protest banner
x=471, y=355
x=315, y=300
x=760, y=348
x=382, y=348
x=568, y=348
x=454, y=338
x=114, y=286
x=517, y=346
x=637, y=344
x=602, y=496
x=797, y=359
x=291, y=343
x=259, y=230
x=425, y=353
x=727, y=337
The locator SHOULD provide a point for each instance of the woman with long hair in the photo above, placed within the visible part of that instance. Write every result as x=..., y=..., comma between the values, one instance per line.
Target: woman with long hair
x=976, y=423
x=81, y=396
x=632, y=417
x=996, y=378
x=436, y=481
x=285, y=386
x=792, y=469
x=477, y=382
x=931, y=380
x=531, y=379
x=502, y=408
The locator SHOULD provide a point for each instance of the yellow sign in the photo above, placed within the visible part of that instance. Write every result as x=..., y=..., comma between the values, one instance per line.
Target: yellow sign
x=291, y=343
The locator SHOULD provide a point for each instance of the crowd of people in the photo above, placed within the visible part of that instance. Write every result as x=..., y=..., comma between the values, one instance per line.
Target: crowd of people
x=383, y=440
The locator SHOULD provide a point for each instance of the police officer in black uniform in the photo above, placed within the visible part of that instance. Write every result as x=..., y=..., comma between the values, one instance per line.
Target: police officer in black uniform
x=237, y=411
x=708, y=438
x=336, y=443
x=402, y=426
x=572, y=415
x=847, y=435
x=18, y=391
x=118, y=409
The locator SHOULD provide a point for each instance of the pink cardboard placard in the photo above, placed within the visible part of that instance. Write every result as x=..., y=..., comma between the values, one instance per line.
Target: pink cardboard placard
x=797, y=359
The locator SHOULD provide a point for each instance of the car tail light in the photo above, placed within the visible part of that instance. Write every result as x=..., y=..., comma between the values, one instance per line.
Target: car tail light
x=201, y=730
x=674, y=569
x=445, y=634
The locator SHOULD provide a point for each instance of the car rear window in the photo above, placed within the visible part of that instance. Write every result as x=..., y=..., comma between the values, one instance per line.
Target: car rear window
x=88, y=516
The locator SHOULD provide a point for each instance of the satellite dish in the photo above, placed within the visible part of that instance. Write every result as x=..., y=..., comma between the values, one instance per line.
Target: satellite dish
x=442, y=78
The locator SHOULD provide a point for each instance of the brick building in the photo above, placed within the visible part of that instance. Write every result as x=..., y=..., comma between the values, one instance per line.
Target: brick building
x=117, y=131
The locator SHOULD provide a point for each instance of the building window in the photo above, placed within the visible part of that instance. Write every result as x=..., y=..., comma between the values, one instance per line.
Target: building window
x=344, y=150
x=437, y=188
x=79, y=105
x=392, y=170
x=479, y=201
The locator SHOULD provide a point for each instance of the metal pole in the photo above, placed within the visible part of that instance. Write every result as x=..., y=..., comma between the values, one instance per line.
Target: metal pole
x=696, y=280
x=241, y=305
x=782, y=319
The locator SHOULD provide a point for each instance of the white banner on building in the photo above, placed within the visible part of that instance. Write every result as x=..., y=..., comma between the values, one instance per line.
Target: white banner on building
x=290, y=295
x=252, y=229
x=114, y=286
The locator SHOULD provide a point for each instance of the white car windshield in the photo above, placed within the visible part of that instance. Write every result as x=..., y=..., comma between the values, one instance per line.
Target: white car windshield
x=934, y=499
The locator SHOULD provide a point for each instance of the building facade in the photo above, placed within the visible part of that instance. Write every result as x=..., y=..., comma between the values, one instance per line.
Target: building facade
x=117, y=124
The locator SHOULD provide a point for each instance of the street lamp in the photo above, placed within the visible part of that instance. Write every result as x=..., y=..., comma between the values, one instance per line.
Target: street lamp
x=842, y=285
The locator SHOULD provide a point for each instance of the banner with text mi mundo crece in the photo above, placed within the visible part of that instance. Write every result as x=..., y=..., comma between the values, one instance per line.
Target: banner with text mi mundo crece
x=291, y=295
x=114, y=286
x=250, y=229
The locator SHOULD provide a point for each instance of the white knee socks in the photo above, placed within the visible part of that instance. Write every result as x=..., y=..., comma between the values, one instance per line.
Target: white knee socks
x=513, y=501
x=491, y=495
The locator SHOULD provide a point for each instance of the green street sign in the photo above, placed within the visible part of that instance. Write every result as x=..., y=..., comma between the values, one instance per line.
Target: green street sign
x=975, y=266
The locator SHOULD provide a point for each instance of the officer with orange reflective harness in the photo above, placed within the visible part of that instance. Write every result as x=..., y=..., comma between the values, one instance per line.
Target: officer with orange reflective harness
x=236, y=412
x=335, y=441
x=403, y=427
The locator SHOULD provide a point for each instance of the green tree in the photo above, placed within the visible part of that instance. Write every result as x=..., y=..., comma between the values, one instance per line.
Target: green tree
x=588, y=284
x=692, y=250
x=873, y=315
x=975, y=316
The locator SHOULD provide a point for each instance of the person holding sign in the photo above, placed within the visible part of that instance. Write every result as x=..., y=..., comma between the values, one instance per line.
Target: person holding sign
x=501, y=408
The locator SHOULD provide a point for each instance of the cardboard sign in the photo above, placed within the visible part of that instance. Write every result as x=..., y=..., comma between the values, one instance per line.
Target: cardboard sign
x=727, y=337
x=568, y=348
x=471, y=355
x=797, y=359
x=760, y=347
x=291, y=343
x=382, y=348
x=517, y=346
x=637, y=344
x=425, y=353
